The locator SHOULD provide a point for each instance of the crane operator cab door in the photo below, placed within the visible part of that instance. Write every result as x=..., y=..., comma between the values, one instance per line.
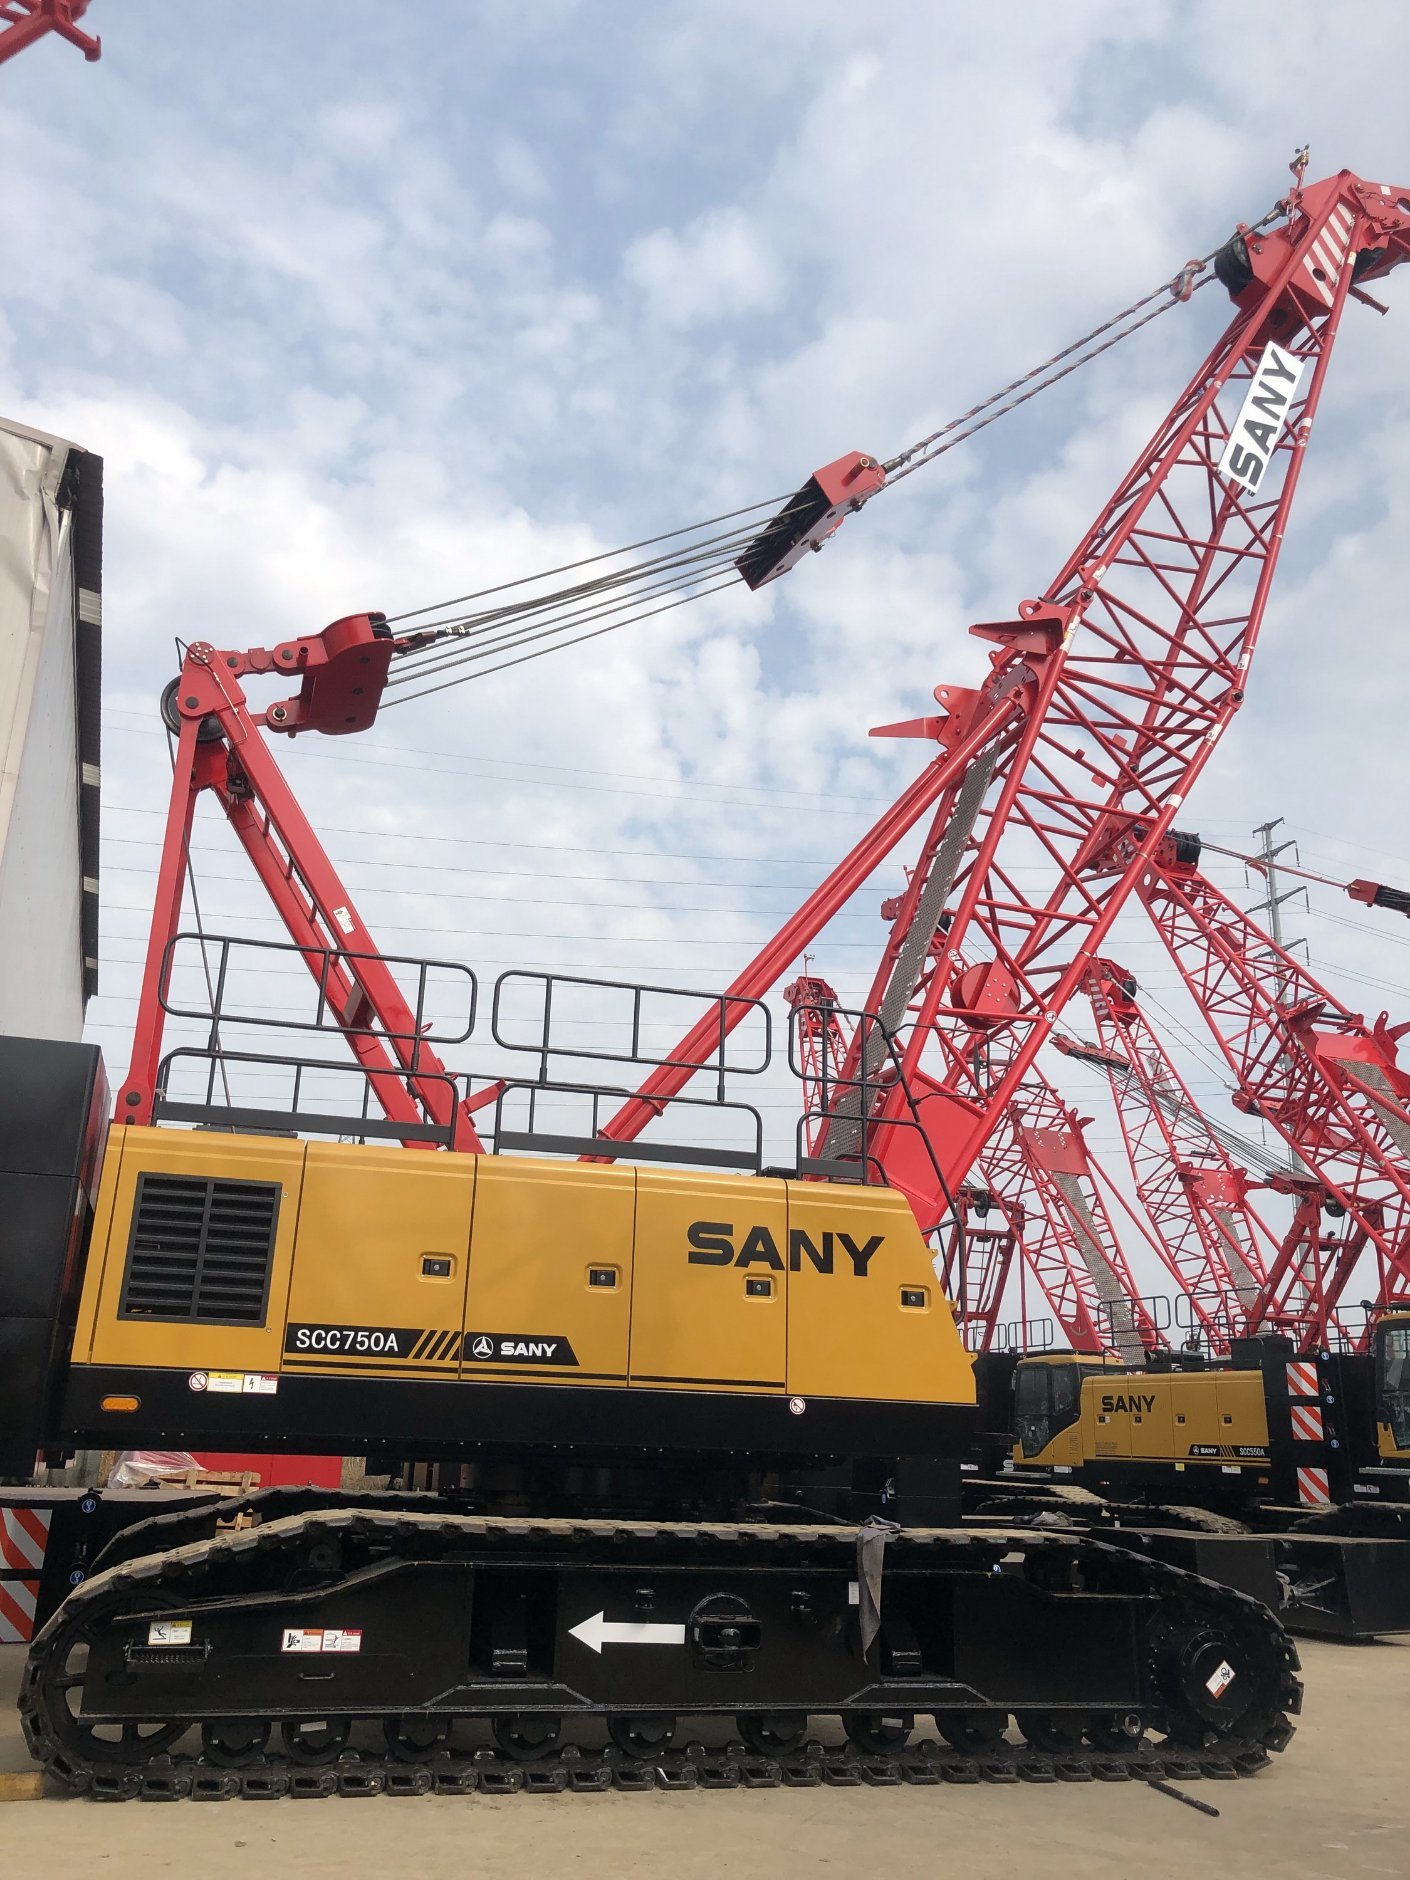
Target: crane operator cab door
x=1047, y=1408
x=1392, y=1346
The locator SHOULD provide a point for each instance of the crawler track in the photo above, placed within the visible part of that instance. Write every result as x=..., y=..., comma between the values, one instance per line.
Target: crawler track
x=463, y=1620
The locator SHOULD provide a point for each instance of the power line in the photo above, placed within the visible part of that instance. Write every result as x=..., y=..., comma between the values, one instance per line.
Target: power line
x=686, y=786
x=532, y=933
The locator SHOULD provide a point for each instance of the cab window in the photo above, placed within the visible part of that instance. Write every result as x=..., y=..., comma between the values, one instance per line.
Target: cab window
x=1047, y=1400
x=1393, y=1381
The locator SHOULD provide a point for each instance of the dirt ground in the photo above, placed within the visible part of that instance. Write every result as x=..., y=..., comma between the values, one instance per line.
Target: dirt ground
x=1335, y=1806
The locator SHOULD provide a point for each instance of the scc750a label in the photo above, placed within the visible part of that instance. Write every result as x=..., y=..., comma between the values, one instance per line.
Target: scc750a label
x=352, y=1341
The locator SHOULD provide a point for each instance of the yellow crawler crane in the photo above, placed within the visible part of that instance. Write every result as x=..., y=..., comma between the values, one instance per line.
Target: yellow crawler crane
x=621, y=1371
x=1270, y=1425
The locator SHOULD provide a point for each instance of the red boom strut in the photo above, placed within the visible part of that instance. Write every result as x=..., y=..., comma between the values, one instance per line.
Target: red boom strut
x=221, y=748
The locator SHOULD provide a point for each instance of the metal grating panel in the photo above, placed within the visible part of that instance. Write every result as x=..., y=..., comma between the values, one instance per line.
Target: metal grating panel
x=200, y=1250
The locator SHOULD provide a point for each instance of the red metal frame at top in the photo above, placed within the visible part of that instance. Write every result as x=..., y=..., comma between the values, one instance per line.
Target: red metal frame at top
x=24, y=21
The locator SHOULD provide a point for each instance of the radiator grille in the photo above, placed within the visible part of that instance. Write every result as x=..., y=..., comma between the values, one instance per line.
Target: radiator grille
x=200, y=1250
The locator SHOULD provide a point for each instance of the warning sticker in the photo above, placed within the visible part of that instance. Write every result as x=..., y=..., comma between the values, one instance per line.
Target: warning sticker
x=321, y=1639
x=1222, y=1678
x=235, y=1383
x=169, y=1632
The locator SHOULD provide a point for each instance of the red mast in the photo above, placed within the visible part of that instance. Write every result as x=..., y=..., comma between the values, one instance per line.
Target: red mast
x=1105, y=699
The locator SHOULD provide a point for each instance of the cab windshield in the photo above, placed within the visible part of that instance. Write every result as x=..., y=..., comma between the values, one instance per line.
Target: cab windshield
x=1393, y=1381
x=1047, y=1400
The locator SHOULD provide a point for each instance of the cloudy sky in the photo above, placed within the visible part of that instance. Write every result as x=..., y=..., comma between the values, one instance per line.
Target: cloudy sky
x=364, y=312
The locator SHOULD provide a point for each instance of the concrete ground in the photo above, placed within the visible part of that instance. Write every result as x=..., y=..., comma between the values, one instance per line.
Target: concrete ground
x=1336, y=1805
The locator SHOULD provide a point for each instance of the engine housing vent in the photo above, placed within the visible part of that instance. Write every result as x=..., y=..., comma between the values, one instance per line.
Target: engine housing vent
x=201, y=1250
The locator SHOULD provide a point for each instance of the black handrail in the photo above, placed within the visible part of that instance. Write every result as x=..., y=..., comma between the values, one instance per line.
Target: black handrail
x=594, y=1142
x=726, y=1007
x=234, y=1115
x=328, y=960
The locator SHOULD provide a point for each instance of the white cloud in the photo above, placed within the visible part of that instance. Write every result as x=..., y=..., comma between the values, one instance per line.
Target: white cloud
x=715, y=269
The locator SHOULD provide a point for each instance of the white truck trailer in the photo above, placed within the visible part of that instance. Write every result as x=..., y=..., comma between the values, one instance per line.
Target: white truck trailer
x=51, y=533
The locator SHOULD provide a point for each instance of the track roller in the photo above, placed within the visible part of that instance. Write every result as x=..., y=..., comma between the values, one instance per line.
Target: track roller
x=878, y=1732
x=971, y=1731
x=311, y=1741
x=772, y=1733
x=527, y=1737
x=642, y=1736
x=231, y=1742
x=415, y=1738
x=1054, y=1732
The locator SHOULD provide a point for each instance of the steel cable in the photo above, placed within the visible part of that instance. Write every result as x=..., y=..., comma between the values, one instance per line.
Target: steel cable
x=688, y=569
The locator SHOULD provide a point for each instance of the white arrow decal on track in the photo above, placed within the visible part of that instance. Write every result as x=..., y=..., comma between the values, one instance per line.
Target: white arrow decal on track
x=599, y=1630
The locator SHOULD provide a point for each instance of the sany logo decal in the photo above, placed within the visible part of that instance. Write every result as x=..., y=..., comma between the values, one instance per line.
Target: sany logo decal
x=712, y=1243
x=1261, y=417
x=518, y=1348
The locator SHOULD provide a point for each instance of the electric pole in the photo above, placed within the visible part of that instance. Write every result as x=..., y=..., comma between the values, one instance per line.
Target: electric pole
x=1272, y=902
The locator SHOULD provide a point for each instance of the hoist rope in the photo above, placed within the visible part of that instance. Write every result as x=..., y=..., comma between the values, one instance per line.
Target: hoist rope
x=700, y=559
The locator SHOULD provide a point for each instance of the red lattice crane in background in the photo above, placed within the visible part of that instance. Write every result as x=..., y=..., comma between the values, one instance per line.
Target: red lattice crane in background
x=24, y=21
x=1321, y=1077
x=1196, y=1194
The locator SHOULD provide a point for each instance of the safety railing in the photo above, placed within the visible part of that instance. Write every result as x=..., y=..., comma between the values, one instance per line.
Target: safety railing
x=223, y=1098
x=1021, y=1335
x=218, y=966
x=633, y=1009
x=534, y=1137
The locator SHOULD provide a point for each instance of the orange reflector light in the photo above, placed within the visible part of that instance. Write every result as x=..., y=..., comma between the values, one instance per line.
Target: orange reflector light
x=121, y=1403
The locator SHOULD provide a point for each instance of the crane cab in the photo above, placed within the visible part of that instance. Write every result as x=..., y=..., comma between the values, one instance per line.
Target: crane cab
x=1048, y=1408
x=1391, y=1361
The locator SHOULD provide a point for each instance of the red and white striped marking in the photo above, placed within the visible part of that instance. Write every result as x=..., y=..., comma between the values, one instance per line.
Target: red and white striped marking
x=1307, y=1423
x=1327, y=255
x=1313, y=1488
x=24, y=1538
x=1302, y=1377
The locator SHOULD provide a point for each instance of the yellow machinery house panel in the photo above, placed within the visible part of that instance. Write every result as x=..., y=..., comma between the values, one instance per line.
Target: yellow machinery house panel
x=710, y=1284
x=380, y=1266
x=550, y=1294
x=1243, y=1409
x=1152, y=1419
x=866, y=1317
x=1195, y=1412
x=1105, y=1419
x=153, y=1298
